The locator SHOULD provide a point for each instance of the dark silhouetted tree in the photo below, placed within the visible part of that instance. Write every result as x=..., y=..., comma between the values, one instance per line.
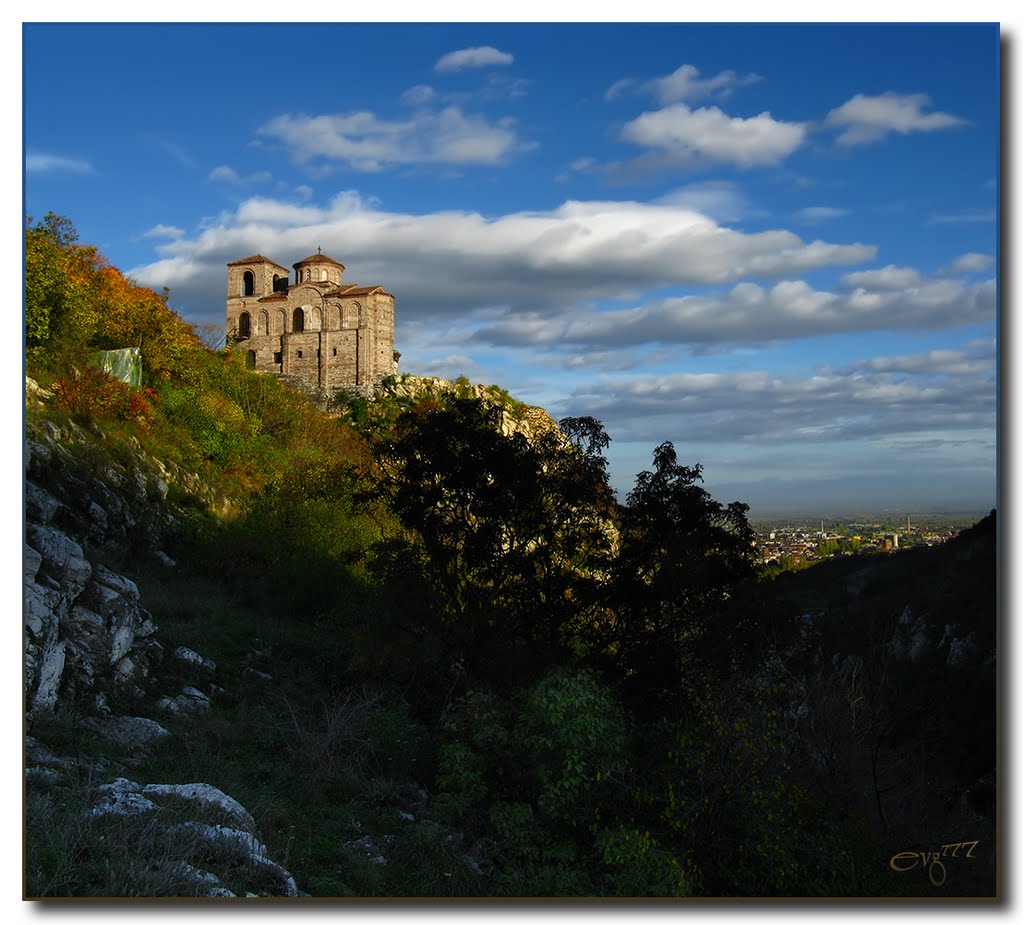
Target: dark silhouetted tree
x=512, y=532
x=682, y=559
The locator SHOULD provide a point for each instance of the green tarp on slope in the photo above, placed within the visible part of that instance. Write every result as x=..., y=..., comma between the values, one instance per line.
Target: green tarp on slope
x=125, y=364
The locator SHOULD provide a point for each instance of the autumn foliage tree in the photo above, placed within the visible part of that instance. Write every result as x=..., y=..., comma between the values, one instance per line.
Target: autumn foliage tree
x=76, y=302
x=60, y=277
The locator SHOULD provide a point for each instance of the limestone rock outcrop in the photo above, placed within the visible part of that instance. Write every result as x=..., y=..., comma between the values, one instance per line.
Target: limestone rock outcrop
x=516, y=417
x=218, y=834
x=85, y=629
x=94, y=669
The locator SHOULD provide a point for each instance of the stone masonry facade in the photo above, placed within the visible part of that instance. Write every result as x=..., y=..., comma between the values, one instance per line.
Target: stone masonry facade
x=309, y=326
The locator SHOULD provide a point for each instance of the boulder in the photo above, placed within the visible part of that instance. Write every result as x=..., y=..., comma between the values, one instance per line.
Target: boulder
x=62, y=558
x=238, y=848
x=189, y=700
x=230, y=852
x=131, y=732
x=194, y=660
x=40, y=505
x=205, y=797
x=121, y=797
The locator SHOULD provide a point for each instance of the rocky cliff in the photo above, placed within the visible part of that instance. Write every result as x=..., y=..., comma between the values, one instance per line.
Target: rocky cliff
x=516, y=417
x=94, y=668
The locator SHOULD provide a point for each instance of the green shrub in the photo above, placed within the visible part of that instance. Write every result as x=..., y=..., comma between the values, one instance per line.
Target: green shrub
x=575, y=733
x=635, y=865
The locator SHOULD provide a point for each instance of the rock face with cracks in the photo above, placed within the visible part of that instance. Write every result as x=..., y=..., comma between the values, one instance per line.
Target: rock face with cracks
x=89, y=643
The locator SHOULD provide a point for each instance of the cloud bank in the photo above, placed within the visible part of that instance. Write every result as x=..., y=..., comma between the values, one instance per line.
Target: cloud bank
x=951, y=390
x=452, y=263
x=753, y=314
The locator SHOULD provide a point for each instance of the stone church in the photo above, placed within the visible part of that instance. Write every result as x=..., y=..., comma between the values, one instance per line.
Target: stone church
x=311, y=326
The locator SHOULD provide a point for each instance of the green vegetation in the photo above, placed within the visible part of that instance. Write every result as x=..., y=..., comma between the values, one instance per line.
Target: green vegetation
x=488, y=678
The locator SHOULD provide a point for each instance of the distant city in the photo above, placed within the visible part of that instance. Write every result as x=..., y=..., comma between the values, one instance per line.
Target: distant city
x=798, y=543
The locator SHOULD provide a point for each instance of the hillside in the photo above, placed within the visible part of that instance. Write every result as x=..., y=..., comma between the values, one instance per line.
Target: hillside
x=413, y=646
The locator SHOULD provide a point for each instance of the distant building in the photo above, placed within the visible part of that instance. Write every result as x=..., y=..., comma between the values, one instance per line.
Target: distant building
x=312, y=327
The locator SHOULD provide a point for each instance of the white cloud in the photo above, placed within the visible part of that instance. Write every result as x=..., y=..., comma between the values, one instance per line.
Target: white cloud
x=708, y=135
x=940, y=391
x=978, y=359
x=453, y=264
x=622, y=87
x=684, y=84
x=890, y=277
x=172, y=148
x=971, y=263
x=164, y=231
x=37, y=162
x=450, y=366
x=753, y=314
x=970, y=217
x=363, y=142
x=494, y=87
x=226, y=174
x=497, y=87
x=584, y=165
x=269, y=213
x=482, y=56
x=419, y=95
x=813, y=215
x=722, y=200
x=867, y=119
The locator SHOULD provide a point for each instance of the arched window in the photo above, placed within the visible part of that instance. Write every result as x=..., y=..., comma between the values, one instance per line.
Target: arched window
x=323, y=275
x=248, y=283
x=244, y=325
x=298, y=321
x=308, y=275
x=262, y=323
x=314, y=319
x=279, y=322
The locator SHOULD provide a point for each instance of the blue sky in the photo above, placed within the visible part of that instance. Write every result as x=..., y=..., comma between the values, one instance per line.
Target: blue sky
x=774, y=245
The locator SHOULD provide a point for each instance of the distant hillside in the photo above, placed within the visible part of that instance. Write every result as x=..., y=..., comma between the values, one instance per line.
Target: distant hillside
x=905, y=648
